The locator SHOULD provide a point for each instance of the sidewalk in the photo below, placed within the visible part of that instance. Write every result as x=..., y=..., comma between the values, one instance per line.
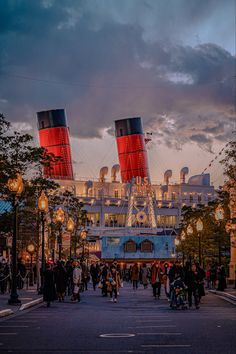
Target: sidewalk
x=228, y=294
x=27, y=297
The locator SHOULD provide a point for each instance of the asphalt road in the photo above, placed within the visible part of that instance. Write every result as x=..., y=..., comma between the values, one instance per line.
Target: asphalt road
x=150, y=326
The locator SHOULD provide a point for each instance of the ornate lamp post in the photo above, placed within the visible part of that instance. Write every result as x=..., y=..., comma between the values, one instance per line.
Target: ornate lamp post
x=43, y=208
x=199, y=227
x=83, y=236
x=16, y=187
x=70, y=228
x=219, y=216
x=182, y=238
x=60, y=217
x=189, y=233
x=31, y=249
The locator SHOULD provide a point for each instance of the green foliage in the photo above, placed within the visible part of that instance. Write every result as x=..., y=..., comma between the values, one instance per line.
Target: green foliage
x=214, y=241
x=229, y=161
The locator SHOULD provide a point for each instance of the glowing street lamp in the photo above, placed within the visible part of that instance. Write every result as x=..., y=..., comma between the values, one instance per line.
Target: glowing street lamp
x=199, y=227
x=219, y=216
x=31, y=249
x=219, y=213
x=70, y=225
x=70, y=228
x=83, y=236
x=43, y=202
x=15, y=186
x=60, y=217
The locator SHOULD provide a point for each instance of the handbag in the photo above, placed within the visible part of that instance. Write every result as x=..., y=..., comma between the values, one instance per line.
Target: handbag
x=100, y=285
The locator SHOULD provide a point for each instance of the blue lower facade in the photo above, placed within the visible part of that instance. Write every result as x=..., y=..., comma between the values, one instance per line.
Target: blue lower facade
x=114, y=248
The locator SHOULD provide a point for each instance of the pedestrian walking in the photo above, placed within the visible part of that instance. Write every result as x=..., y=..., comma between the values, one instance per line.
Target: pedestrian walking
x=208, y=276
x=156, y=279
x=213, y=276
x=77, y=277
x=201, y=279
x=85, y=275
x=222, y=279
x=135, y=276
x=60, y=280
x=144, y=274
x=4, y=276
x=69, y=274
x=49, y=290
x=192, y=282
x=104, y=275
x=21, y=269
x=94, y=272
x=114, y=283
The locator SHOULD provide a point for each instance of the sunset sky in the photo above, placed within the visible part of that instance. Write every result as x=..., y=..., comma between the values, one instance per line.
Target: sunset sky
x=171, y=62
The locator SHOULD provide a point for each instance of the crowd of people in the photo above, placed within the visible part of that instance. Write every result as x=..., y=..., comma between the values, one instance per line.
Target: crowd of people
x=72, y=277
x=6, y=275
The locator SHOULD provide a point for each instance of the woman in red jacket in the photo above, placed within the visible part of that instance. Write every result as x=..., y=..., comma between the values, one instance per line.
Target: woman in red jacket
x=156, y=279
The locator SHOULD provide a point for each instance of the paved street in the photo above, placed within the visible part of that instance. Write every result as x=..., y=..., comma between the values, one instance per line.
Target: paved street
x=152, y=326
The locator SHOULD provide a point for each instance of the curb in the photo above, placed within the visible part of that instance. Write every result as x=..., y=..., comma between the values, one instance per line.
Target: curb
x=225, y=296
x=6, y=312
x=31, y=304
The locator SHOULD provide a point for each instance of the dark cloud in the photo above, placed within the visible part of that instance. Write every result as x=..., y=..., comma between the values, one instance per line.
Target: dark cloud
x=107, y=60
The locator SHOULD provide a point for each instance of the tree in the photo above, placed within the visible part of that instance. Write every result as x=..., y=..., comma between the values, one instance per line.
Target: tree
x=73, y=208
x=229, y=162
x=213, y=242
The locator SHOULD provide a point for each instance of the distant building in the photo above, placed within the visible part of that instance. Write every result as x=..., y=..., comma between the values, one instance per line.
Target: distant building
x=106, y=203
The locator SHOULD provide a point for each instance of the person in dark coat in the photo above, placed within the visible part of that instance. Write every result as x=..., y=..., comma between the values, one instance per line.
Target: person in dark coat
x=135, y=276
x=94, y=271
x=60, y=280
x=156, y=279
x=222, y=279
x=21, y=269
x=104, y=274
x=201, y=276
x=69, y=273
x=191, y=279
x=49, y=291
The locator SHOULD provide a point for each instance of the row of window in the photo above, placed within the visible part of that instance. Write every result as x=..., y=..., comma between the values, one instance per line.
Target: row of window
x=144, y=246
x=191, y=197
x=119, y=220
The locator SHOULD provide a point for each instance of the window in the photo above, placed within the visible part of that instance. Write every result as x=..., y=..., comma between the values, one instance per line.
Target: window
x=162, y=220
x=199, y=198
x=121, y=132
x=146, y=246
x=130, y=246
x=113, y=241
x=191, y=198
x=116, y=193
x=173, y=196
x=42, y=124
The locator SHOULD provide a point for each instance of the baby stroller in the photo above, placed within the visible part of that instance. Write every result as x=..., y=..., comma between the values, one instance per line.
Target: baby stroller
x=178, y=297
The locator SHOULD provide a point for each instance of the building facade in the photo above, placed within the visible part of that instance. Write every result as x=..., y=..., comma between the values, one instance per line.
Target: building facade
x=107, y=203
